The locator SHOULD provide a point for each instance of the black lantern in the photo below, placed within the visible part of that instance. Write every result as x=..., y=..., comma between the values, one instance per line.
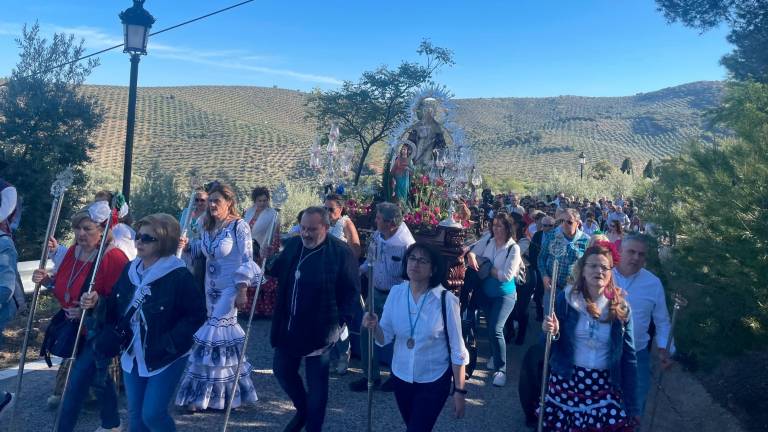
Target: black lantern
x=136, y=24
x=582, y=161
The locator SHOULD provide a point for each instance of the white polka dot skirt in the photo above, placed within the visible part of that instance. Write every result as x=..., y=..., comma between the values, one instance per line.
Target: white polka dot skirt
x=585, y=402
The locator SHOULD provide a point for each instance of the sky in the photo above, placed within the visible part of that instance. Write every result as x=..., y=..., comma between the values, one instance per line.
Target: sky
x=511, y=48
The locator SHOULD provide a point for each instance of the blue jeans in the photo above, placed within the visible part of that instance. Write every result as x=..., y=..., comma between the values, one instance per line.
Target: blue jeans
x=310, y=403
x=497, y=311
x=83, y=371
x=8, y=261
x=148, y=398
x=643, y=378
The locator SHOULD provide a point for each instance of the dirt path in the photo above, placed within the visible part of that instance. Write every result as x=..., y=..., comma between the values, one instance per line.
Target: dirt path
x=689, y=408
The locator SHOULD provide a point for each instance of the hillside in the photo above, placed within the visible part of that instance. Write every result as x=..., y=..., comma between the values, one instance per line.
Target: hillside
x=259, y=135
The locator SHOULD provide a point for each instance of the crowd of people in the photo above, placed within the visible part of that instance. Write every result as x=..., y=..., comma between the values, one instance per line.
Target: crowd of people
x=170, y=324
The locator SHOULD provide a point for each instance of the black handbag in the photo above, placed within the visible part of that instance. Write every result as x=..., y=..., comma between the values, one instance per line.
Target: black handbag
x=59, y=338
x=61, y=333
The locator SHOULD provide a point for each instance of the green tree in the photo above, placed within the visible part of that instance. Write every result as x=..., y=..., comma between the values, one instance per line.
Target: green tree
x=46, y=124
x=748, y=22
x=369, y=109
x=601, y=170
x=648, y=170
x=626, y=166
x=712, y=204
x=157, y=192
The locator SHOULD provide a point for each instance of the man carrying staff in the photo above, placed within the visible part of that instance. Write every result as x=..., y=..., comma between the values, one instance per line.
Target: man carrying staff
x=392, y=237
x=645, y=295
x=318, y=286
x=566, y=243
x=8, y=270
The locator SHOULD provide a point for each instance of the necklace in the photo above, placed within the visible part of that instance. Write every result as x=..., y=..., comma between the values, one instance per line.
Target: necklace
x=73, y=274
x=302, y=258
x=410, y=343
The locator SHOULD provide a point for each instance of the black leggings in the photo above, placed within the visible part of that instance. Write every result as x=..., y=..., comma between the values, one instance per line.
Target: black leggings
x=420, y=404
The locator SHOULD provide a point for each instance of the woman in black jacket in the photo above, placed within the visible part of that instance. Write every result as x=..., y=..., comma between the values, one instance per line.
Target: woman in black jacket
x=157, y=308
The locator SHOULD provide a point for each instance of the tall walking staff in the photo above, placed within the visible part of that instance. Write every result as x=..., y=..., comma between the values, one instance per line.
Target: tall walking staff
x=194, y=184
x=557, y=248
x=548, y=346
x=91, y=283
x=279, y=197
x=680, y=302
x=59, y=187
x=374, y=255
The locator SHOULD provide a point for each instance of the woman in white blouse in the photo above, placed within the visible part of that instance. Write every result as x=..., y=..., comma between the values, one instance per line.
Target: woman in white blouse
x=428, y=348
x=498, y=287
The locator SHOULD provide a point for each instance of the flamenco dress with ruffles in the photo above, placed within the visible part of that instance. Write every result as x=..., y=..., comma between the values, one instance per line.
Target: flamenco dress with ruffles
x=210, y=375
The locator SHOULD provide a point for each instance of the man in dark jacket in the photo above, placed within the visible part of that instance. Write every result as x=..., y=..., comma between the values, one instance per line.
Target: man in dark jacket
x=318, y=285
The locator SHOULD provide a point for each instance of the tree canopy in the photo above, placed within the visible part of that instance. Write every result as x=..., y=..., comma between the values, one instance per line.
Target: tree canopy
x=45, y=126
x=747, y=20
x=367, y=111
x=713, y=206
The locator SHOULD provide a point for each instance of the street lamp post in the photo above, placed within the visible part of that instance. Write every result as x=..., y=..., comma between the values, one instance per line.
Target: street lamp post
x=136, y=24
x=582, y=161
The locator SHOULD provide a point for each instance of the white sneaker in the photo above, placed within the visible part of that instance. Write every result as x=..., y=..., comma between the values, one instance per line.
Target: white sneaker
x=499, y=379
x=490, y=365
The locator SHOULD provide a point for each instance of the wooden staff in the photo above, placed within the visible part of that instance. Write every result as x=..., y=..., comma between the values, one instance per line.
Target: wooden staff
x=680, y=302
x=374, y=254
x=91, y=283
x=547, y=347
x=59, y=187
x=279, y=197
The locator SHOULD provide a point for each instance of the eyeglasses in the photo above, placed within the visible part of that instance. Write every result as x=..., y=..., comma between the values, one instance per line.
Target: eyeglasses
x=145, y=238
x=420, y=261
x=598, y=267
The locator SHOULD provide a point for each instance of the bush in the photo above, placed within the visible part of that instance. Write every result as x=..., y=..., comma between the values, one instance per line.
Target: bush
x=300, y=196
x=612, y=184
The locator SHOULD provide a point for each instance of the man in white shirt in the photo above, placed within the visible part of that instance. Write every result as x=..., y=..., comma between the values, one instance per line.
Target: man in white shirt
x=647, y=301
x=392, y=238
x=514, y=205
x=619, y=215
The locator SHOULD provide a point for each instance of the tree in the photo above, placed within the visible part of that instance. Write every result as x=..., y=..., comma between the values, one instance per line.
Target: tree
x=748, y=22
x=713, y=206
x=648, y=170
x=601, y=170
x=626, y=166
x=158, y=192
x=369, y=109
x=46, y=125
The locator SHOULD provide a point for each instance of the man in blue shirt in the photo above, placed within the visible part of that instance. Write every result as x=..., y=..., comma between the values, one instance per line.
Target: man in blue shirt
x=566, y=244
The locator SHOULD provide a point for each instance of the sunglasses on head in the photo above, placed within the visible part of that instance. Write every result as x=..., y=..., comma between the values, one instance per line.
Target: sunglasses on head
x=145, y=238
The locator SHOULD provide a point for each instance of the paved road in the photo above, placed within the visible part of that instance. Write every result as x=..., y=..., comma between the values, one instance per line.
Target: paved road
x=488, y=409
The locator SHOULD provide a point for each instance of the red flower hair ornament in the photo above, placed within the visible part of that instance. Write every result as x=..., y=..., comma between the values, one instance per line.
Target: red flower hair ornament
x=615, y=255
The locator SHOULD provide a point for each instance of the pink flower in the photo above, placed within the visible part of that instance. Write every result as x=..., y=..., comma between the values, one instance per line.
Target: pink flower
x=424, y=207
x=424, y=180
x=437, y=210
x=433, y=221
x=439, y=182
x=417, y=218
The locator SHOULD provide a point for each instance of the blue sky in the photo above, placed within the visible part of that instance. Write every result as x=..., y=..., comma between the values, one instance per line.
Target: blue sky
x=501, y=48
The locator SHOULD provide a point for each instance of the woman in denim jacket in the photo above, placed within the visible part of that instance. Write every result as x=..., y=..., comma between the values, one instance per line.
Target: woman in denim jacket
x=593, y=363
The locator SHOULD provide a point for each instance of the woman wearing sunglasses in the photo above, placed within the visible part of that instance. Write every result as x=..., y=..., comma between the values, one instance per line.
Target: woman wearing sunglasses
x=196, y=265
x=156, y=303
x=593, y=364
